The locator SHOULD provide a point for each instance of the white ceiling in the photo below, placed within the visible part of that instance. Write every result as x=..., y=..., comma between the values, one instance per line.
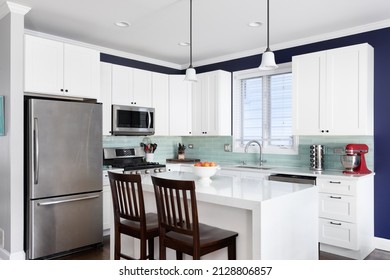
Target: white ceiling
x=220, y=27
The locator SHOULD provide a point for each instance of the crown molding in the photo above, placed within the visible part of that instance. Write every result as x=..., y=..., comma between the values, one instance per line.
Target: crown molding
x=296, y=43
x=10, y=7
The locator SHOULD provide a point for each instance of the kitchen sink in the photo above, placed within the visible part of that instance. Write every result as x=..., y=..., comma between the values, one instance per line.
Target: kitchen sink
x=254, y=167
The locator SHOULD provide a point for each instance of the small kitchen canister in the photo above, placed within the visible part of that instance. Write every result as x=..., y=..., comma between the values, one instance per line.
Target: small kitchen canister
x=317, y=153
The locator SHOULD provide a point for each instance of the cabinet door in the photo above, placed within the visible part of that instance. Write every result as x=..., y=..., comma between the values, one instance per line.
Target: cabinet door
x=122, y=85
x=337, y=207
x=44, y=67
x=160, y=102
x=107, y=208
x=308, y=93
x=347, y=91
x=211, y=104
x=338, y=233
x=180, y=111
x=81, y=71
x=198, y=110
x=142, y=88
x=105, y=95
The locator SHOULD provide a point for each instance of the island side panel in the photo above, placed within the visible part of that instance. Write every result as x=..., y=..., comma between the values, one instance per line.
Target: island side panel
x=289, y=226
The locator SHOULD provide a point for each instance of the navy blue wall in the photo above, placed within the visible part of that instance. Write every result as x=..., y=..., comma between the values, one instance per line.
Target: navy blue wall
x=380, y=40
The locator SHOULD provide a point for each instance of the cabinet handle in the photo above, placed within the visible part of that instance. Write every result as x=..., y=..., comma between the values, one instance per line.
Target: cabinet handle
x=335, y=182
x=335, y=197
x=336, y=224
x=62, y=90
x=66, y=90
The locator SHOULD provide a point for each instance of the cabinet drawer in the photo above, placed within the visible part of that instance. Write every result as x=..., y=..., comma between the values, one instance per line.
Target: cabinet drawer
x=345, y=187
x=338, y=207
x=338, y=233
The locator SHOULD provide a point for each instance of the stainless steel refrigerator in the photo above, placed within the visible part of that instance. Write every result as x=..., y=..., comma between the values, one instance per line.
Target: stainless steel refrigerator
x=63, y=175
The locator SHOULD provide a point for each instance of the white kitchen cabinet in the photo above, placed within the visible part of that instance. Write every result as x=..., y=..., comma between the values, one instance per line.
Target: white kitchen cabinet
x=107, y=203
x=160, y=103
x=180, y=107
x=346, y=216
x=211, y=104
x=131, y=86
x=333, y=92
x=53, y=67
x=105, y=95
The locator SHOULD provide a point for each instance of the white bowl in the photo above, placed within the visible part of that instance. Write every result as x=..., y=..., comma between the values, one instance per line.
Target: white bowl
x=205, y=172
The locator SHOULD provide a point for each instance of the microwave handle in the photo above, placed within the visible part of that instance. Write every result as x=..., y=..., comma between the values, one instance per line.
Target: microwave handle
x=150, y=120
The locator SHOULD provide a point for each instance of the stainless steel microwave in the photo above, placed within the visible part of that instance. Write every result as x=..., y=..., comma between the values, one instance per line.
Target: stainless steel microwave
x=132, y=120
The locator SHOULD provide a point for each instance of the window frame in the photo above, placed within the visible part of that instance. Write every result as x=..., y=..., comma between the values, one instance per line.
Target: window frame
x=252, y=73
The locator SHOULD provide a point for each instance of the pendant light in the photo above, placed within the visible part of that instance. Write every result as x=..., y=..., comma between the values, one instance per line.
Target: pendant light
x=190, y=72
x=268, y=58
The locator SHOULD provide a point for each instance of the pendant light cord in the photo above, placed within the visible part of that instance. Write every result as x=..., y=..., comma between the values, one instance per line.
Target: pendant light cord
x=191, y=34
x=268, y=49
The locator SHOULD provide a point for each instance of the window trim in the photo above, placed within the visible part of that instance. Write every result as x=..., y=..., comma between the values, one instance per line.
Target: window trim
x=255, y=72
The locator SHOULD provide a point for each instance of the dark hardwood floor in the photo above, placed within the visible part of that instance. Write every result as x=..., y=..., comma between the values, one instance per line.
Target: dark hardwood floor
x=103, y=253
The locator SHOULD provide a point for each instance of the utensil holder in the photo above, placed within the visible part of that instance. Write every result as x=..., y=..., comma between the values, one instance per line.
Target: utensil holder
x=317, y=157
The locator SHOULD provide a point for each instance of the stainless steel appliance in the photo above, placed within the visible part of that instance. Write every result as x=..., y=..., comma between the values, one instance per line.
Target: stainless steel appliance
x=63, y=167
x=132, y=160
x=291, y=178
x=354, y=160
x=132, y=120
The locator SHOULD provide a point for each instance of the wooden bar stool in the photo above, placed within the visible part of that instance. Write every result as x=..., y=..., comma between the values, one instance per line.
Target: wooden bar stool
x=129, y=214
x=180, y=229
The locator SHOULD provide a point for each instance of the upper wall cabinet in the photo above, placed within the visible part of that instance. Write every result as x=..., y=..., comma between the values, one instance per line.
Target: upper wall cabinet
x=180, y=110
x=160, y=103
x=333, y=92
x=53, y=67
x=211, y=104
x=105, y=95
x=131, y=86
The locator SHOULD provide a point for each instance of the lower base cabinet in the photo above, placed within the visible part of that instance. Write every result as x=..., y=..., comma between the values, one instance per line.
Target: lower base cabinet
x=346, y=215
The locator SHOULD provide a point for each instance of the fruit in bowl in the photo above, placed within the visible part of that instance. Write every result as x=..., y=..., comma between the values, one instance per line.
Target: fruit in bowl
x=205, y=170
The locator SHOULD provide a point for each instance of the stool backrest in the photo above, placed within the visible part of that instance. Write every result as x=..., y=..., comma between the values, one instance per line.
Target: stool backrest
x=177, y=207
x=127, y=196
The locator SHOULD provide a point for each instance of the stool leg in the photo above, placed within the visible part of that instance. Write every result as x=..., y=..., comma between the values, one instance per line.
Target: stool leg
x=151, y=248
x=232, y=250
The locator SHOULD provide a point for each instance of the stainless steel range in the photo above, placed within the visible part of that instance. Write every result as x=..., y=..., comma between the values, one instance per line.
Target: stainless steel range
x=132, y=160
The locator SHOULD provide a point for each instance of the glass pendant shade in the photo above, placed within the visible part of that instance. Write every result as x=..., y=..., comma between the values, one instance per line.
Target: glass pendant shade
x=191, y=75
x=268, y=61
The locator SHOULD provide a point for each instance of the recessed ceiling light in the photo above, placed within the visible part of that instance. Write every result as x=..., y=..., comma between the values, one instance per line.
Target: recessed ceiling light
x=122, y=24
x=255, y=24
x=183, y=44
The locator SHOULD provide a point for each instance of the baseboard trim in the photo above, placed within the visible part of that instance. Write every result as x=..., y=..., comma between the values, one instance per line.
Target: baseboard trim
x=5, y=255
x=382, y=243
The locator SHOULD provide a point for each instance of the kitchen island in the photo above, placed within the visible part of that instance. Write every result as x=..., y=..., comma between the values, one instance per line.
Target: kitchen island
x=274, y=220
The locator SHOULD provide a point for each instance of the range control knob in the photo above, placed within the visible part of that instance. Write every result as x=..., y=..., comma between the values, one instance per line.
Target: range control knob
x=161, y=170
x=138, y=172
x=147, y=171
x=156, y=170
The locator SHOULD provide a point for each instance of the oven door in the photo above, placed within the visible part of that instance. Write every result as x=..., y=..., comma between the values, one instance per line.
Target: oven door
x=132, y=120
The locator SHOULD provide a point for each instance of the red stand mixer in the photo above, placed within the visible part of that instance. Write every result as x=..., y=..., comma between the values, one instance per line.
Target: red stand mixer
x=354, y=160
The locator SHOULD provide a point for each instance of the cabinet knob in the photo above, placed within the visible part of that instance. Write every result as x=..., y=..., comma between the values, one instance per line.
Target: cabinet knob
x=66, y=90
x=62, y=90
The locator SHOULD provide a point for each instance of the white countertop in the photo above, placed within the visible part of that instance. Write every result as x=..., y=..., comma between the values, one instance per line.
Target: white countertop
x=298, y=171
x=233, y=190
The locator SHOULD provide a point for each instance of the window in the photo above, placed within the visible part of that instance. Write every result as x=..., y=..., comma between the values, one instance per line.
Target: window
x=262, y=109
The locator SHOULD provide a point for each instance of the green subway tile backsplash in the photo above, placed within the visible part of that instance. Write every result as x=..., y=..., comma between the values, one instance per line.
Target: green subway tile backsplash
x=211, y=148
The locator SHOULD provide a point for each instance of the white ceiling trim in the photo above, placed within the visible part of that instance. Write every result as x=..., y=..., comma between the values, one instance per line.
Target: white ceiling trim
x=296, y=43
x=9, y=7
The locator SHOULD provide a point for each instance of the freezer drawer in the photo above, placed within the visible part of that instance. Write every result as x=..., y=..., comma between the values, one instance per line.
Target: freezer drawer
x=64, y=223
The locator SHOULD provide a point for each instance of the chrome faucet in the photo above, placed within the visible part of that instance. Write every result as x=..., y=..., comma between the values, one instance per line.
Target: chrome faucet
x=260, y=153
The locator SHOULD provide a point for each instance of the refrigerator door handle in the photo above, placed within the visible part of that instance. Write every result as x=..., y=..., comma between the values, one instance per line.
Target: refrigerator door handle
x=67, y=200
x=36, y=151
